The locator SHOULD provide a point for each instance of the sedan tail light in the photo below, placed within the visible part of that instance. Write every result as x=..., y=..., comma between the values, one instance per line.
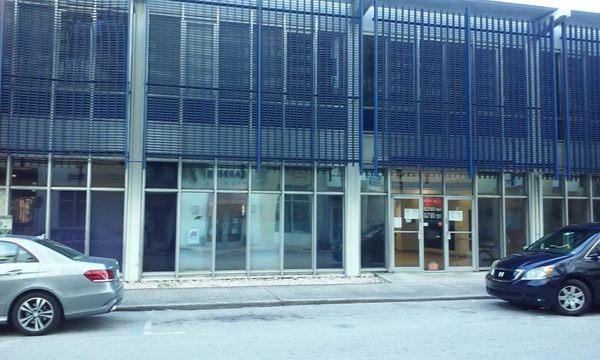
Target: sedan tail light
x=100, y=275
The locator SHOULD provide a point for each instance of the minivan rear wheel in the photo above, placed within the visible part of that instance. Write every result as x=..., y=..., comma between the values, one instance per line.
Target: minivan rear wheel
x=36, y=313
x=573, y=298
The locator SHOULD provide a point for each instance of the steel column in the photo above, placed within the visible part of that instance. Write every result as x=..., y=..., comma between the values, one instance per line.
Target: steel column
x=554, y=98
x=376, y=90
x=565, y=83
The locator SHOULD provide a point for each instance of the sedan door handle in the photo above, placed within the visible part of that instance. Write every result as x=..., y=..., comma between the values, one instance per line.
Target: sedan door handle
x=14, y=272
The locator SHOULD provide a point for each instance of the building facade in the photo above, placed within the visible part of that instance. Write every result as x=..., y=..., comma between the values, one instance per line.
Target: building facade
x=244, y=137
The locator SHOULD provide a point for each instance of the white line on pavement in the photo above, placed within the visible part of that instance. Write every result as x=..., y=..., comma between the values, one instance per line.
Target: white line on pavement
x=148, y=330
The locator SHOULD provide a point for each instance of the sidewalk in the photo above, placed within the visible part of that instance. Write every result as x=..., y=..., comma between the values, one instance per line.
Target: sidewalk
x=397, y=287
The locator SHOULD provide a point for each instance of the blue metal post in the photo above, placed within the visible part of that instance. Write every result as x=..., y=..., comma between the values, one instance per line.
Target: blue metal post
x=360, y=87
x=566, y=119
x=469, y=102
x=258, y=83
x=554, y=98
x=376, y=90
x=127, y=78
x=1, y=57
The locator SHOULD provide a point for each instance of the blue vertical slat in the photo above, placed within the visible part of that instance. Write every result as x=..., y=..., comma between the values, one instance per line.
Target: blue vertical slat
x=259, y=84
x=360, y=87
x=566, y=117
x=376, y=88
x=554, y=97
x=469, y=102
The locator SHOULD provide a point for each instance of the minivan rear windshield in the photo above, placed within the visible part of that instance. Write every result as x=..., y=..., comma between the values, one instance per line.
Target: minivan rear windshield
x=562, y=241
x=61, y=249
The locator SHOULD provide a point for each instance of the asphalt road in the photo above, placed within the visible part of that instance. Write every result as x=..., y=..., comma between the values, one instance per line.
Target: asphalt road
x=472, y=329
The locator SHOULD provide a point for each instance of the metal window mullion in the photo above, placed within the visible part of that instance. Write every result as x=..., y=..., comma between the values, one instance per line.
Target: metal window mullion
x=214, y=220
x=281, y=220
x=503, y=244
x=48, y=195
x=93, y=44
x=178, y=219
x=55, y=63
x=314, y=222
x=248, y=219
x=88, y=207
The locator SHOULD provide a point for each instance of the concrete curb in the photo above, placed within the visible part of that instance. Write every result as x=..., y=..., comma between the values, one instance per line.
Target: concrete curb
x=212, y=306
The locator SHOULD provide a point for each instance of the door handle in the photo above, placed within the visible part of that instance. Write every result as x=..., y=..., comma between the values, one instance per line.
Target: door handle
x=13, y=272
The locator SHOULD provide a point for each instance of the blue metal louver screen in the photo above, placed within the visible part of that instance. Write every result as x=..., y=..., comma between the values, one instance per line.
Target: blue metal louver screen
x=255, y=81
x=422, y=82
x=581, y=109
x=429, y=66
x=64, y=77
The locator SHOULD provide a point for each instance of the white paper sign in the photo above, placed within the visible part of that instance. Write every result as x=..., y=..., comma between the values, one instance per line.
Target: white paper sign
x=397, y=222
x=455, y=215
x=411, y=214
x=6, y=223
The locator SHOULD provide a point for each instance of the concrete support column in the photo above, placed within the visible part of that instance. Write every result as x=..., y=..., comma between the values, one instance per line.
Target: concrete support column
x=134, y=191
x=352, y=221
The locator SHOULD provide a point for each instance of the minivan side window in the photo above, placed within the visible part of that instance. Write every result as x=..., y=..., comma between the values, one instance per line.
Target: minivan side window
x=8, y=252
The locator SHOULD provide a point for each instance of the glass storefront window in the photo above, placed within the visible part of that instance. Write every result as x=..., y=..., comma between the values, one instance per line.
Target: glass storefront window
x=372, y=231
x=515, y=184
x=161, y=175
x=2, y=201
x=28, y=208
x=596, y=186
x=330, y=231
x=195, y=231
x=232, y=177
x=108, y=174
x=577, y=186
x=298, y=179
x=297, y=231
x=490, y=230
x=197, y=176
x=405, y=182
x=596, y=210
x=551, y=186
x=372, y=183
x=579, y=211
x=489, y=184
x=553, y=215
x=69, y=173
x=106, y=224
x=330, y=179
x=432, y=183
x=264, y=231
x=29, y=172
x=458, y=184
x=2, y=172
x=231, y=231
x=67, y=214
x=516, y=225
x=159, y=232
x=268, y=178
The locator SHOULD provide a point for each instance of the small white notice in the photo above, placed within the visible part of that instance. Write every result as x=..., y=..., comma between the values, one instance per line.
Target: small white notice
x=397, y=222
x=455, y=215
x=6, y=223
x=411, y=214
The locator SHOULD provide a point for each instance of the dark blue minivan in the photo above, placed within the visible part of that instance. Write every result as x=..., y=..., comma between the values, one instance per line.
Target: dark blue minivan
x=561, y=271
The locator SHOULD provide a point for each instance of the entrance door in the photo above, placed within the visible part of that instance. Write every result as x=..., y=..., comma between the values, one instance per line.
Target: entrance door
x=407, y=232
x=434, y=249
x=458, y=233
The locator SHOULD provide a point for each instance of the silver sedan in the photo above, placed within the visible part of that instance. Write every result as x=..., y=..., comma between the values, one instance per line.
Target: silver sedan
x=43, y=282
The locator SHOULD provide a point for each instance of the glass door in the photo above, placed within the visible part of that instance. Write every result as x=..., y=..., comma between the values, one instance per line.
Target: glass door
x=433, y=233
x=406, y=222
x=459, y=244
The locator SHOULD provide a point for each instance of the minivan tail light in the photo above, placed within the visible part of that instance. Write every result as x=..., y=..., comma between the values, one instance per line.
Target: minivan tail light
x=100, y=275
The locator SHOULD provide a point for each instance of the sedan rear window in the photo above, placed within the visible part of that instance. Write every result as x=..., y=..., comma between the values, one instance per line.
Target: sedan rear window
x=62, y=249
x=561, y=242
